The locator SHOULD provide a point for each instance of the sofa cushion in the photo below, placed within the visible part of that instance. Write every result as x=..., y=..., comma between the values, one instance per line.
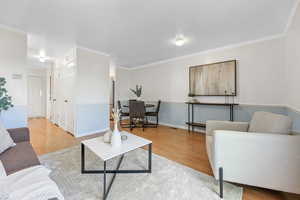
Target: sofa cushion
x=213, y=125
x=5, y=139
x=19, y=157
x=265, y=122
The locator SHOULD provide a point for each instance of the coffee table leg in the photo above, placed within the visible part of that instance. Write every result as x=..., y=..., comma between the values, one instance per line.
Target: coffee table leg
x=82, y=159
x=150, y=158
x=104, y=181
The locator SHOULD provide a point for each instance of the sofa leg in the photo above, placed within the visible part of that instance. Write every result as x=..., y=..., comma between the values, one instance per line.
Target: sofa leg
x=221, y=182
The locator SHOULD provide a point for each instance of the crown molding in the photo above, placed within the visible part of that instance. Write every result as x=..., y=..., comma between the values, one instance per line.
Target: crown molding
x=232, y=46
x=12, y=29
x=292, y=16
x=93, y=51
x=122, y=67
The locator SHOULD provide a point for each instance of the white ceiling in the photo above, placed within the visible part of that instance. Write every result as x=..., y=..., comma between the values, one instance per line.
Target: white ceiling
x=137, y=32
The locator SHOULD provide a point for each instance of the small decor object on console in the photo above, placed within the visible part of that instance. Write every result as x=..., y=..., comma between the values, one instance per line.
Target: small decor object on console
x=116, y=135
x=5, y=100
x=137, y=92
x=191, y=98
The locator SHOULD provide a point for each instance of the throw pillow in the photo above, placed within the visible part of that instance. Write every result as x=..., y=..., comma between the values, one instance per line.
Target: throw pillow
x=5, y=139
x=2, y=171
x=266, y=122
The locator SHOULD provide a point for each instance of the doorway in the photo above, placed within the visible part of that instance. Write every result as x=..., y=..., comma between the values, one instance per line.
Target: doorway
x=36, y=97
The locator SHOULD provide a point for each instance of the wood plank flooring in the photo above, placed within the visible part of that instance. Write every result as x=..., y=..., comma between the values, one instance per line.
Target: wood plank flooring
x=175, y=144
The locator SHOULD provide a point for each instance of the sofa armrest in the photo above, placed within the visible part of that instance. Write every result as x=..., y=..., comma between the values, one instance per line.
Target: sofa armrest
x=213, y=125
x=258, y=159
x=19, y=134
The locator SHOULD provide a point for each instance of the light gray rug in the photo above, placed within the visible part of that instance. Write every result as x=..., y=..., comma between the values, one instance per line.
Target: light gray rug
x=168, y=180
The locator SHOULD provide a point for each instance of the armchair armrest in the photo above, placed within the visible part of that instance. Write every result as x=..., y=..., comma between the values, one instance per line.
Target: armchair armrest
x=19, y=134
x=258, y=159
x=213, y=125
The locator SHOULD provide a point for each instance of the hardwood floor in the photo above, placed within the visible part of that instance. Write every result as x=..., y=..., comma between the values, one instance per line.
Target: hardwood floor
x=175, y=144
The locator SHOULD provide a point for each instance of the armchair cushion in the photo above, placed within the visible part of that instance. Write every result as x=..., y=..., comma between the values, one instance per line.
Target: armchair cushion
x=213, y=125
x=265, y=122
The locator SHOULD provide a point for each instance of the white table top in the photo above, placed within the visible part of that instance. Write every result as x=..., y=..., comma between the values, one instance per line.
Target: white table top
x=105, y=151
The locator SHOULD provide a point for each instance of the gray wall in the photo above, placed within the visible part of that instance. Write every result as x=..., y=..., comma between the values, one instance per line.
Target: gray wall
x=176, y=114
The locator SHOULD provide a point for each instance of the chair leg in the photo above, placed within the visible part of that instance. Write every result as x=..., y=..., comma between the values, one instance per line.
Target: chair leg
x=121, y=121
x=221, y=182
x=130, y=124
x=156, y=121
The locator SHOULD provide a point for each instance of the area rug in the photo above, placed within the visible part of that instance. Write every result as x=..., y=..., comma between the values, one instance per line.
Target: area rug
x=168, y=181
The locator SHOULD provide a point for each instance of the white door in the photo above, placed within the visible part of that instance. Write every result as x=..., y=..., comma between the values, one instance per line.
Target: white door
x=67, y=81
x=35, y=95
x=55, y=97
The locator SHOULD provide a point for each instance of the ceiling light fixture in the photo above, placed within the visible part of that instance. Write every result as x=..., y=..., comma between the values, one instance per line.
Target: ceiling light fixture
x=72, y=64
x=180, y=40
x=42, y=59
x=42, y=56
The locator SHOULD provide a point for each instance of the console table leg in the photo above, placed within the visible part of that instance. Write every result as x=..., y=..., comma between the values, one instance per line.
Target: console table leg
x=192, y=117
x=231, y=112
x=150, y=158
x=189, y=127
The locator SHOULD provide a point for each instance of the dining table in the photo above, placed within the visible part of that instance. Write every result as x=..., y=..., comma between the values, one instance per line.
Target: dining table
x=147, y=105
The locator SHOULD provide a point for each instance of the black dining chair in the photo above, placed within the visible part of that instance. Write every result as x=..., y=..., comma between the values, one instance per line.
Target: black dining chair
x=155, y=113
x=122, y=113
x=137, y=113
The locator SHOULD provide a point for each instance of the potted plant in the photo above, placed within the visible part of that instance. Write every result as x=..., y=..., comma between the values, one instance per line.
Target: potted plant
x=5, y=100
x=137, y=92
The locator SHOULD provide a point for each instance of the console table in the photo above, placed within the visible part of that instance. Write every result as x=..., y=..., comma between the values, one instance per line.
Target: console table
x=192, y=124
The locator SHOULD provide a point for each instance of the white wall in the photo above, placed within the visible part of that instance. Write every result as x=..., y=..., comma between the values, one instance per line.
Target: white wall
x=93, y=82
x=261, y=74
x=91, y=92
x=293, y=62
x=13, y=53
x=123, y=83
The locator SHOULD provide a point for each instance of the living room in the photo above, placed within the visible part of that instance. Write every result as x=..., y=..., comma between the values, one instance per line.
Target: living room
x=199, y=101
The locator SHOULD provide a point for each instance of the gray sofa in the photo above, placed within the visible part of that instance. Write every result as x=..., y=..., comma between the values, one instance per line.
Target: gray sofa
x=20, y=156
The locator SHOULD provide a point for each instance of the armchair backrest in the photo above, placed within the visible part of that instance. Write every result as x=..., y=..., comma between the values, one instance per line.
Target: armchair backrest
x=266, y=122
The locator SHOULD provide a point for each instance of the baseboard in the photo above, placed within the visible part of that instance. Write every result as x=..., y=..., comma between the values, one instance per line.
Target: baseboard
x=92, y=132
x=175, y=126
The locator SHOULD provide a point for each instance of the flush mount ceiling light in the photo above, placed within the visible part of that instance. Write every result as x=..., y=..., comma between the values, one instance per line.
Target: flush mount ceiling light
x=42, y=56
x=42, y=59
x=180, y=40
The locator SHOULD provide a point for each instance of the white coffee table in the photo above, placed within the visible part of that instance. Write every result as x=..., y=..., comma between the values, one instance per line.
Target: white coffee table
x=106, y=152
